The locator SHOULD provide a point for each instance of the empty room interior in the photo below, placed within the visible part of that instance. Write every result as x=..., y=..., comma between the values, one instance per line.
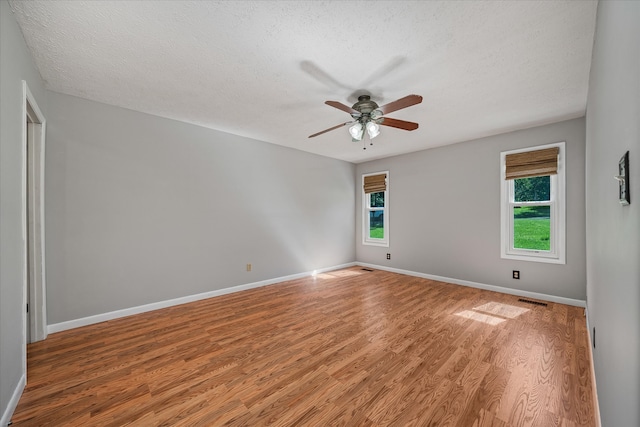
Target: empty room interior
x=320, y=213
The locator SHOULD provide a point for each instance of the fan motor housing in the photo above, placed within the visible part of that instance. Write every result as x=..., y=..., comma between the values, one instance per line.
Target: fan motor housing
x=365, y=105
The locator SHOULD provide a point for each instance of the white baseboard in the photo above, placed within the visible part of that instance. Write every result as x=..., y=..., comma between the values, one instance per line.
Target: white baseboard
x=76, y=323
x=593, y=372
x=13, y=403
x=518, y=292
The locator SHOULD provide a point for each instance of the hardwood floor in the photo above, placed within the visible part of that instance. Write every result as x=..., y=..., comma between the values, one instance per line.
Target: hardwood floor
x=349, y=347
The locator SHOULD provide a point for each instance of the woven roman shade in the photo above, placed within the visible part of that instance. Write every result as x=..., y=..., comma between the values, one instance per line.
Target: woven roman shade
x=375, y=183
x=532, y=163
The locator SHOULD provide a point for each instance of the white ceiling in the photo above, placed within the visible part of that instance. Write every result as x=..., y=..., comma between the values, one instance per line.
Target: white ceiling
x=263, y=69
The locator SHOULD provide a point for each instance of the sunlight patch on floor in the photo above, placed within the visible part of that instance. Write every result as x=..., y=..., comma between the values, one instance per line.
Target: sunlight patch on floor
x=493, y=312
x=480, y=317
x=334, y=274
x=502, y=310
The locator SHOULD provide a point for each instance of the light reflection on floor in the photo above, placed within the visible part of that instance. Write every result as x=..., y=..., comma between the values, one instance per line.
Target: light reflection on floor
x=502, y=310
x=334, y=274
x=493, y=312
x=485, y=318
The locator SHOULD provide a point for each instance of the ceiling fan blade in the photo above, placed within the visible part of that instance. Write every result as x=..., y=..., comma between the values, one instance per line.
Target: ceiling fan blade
x=341, y=106
x=330, y=129
x=401, y=103
x=400, y=124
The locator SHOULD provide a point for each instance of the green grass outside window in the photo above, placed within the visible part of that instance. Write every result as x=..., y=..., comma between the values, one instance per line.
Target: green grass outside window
x=376, y=233
x=532, y=228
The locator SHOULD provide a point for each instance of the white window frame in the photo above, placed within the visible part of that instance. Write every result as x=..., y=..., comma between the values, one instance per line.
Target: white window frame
x=366, y=240
x=556, y=254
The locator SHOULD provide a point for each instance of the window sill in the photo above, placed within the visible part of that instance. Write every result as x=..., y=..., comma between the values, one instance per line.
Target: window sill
x=533, y=258
x=380, y=244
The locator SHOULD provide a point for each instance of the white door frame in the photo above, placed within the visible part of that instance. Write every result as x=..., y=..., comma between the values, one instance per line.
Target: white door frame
x=33, y=135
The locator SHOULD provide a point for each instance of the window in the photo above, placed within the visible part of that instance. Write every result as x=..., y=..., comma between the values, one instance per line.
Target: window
x=533, y=204
x=375, y=221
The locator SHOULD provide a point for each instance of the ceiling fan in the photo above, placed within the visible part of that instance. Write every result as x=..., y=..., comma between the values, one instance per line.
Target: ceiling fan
x=367, y=115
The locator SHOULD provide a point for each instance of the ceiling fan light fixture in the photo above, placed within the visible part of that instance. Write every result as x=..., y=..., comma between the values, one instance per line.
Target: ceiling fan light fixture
x=368, y=116
x=373, y=129
x=356, y=131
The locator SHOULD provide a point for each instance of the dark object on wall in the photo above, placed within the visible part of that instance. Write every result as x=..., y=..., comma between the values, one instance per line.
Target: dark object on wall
x=623, y=179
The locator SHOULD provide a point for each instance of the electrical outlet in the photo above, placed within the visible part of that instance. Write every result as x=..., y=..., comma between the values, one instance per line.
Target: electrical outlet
x=516, y=274
x=388, y=256
x=248, y=267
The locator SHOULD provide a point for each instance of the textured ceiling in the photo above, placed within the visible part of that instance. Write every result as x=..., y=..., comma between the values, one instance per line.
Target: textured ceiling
x=263, y=69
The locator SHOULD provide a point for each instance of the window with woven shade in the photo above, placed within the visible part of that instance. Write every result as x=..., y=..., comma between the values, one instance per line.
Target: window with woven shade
x=375, y=202
x=375, y=183
x=532, y=163
x=533, y=204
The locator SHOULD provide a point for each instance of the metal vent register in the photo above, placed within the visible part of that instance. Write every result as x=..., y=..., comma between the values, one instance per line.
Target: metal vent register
x=528, y=301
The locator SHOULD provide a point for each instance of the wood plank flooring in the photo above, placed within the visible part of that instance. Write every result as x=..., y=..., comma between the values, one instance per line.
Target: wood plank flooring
x=346, y=348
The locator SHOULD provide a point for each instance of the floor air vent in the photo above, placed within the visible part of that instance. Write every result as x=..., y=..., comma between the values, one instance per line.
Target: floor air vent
x=528, y=301
x=367, y=269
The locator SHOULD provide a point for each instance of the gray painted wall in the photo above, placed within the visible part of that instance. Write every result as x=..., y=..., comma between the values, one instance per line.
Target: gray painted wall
x=445, y=213
x=613, y=231
x=16, y=65
x=142, y=209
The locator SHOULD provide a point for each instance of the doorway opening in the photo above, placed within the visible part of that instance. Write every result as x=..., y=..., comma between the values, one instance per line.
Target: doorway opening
x=33, y=149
